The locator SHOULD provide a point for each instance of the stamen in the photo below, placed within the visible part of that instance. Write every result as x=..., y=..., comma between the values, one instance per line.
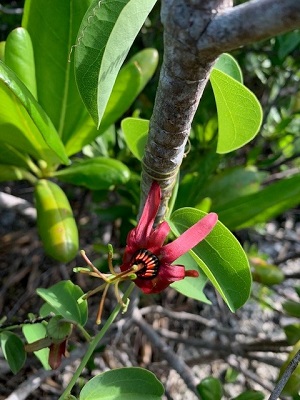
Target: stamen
x=109, y=260
x=147, y=263
x=101, y=305
x=117, y=294
x=93, y=291
x=96, y=270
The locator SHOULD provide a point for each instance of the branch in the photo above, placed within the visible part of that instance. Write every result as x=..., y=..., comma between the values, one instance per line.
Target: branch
x=195, y=34
x=175, y=362
x=248, y=23
x=183, y=78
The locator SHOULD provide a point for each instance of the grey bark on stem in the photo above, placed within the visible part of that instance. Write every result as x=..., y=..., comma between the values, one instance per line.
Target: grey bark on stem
x=196, y=32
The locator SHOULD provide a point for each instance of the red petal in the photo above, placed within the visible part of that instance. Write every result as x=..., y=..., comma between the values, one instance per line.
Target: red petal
x=158, y=237
x=192, y=273
x=189, y=238
x=150, y=210
x=167, y=275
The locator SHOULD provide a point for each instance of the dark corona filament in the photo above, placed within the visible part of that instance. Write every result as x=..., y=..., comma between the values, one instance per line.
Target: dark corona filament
x=147, y=262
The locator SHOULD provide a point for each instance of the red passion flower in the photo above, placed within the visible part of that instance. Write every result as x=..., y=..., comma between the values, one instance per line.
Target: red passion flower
x=146, y=253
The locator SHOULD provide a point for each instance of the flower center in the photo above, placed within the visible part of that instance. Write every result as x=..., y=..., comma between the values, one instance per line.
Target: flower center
x=147, y=262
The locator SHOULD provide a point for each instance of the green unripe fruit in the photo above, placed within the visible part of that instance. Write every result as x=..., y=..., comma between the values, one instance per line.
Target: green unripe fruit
x=56, y=225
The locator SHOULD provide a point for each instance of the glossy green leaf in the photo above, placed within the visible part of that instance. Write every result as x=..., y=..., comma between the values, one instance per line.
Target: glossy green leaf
x=25, y=125
x=95, y=173
x=32, y=333
x=292, y=308
x=103, y=145
x=292, y=333
x=20, y=58
x=123, y=384
x=265, y=273
x=56, y=224
x=135, y=133
x=85, y=133
x=2, y=51
x=267, y=203
x=130, y=81
x=220, y=256
x=227, y=64
x=11, y=156
x=58, y=329
x=13, y=350
x=192, y=186
x=46, y=310
x=250, y=395
x=63, y=298
x=53, y=27
x=210, y=388
x=12, y=173
x=239, y=112
x=107, y=31
x=241, y=181
x=231, y=375
x=287, y=43
x=191, y=287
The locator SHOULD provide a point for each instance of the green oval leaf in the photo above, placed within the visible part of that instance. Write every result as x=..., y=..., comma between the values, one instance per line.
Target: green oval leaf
x=2, y=51
x=210, y=388
x=13, y=350
x=123, y=384
x=53, y=26
x=130, y=81
x=292, y=308
x=220, y=256
x=27, y=126
x=95, y=173
x=34, y=332
x=56, y=225
x=292, y=333
x=12, y=173
x=260, y=206
x=227, y=64
x=241, y=181
x=265, y=273
x=239, y=112
x=135, y=133
x=11, y=156
x=20, y=58
x=250, y=395
x=107, y=31
x=191, y=287
x=63, y=298
x=58, y=329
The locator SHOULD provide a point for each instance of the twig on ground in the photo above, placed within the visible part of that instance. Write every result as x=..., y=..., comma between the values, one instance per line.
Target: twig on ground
x=234, y=363
x=35, y=380
x=166, y=352
x=182, y=315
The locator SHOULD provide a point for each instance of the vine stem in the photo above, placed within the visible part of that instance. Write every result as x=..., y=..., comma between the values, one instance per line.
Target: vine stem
x=94, y=344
